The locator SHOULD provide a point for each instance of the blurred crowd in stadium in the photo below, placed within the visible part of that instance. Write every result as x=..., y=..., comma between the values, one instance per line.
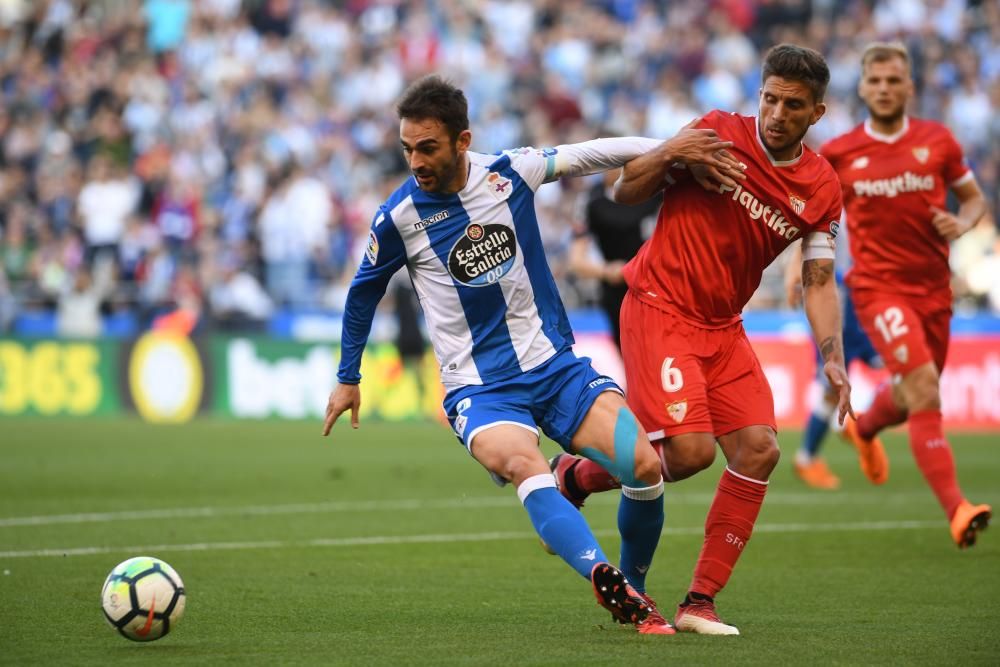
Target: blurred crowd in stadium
x=202, y=163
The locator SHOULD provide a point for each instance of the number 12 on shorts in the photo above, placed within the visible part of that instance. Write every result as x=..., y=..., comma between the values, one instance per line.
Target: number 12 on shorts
x=890, y=324
x=671, y=377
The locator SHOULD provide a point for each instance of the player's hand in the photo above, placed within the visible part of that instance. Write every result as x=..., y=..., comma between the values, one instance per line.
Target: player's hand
x=947, y=224
x=713, y=167
x=837, y=375
x=714, y=179
x=612, y=272
x=344, y=397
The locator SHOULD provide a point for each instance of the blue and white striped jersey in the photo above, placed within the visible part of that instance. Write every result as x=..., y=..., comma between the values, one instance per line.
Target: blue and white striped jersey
x=477, y=263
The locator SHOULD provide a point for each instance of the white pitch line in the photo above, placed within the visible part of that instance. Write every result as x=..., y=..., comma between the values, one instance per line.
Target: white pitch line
x=380, y=540
x=774, y=498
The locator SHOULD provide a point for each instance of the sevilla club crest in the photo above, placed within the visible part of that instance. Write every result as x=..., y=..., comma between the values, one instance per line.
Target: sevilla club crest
x=798, y=204
x=678, y=410
x=902, y=353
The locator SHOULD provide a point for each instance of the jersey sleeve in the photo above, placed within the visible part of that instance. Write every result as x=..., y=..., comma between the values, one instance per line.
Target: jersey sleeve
x=384, y=255
x=541, y=165
x=820, y=243
x=956, y=169
x=834, y=199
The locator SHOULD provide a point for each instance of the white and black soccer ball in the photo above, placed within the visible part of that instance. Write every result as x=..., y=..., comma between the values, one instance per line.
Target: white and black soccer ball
x=143, y=598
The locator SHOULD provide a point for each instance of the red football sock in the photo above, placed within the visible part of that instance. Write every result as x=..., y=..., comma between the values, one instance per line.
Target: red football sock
x=934, y=458
x=882, y=413
x=592, y=478
x=728, y=526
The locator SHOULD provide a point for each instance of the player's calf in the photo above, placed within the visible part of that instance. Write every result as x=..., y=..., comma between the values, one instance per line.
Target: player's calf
x=686, y=454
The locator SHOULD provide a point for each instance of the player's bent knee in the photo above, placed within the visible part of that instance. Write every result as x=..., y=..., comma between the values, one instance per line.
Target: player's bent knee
x=647, y=465
x=519, y=467
x=922, y=389
x=688, y=454
x=762, y=452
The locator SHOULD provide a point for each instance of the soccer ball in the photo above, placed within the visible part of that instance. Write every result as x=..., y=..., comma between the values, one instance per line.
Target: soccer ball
x=143, y=598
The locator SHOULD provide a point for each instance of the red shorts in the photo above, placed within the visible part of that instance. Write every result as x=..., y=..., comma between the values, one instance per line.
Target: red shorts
x=685, y=379
x=907, y=331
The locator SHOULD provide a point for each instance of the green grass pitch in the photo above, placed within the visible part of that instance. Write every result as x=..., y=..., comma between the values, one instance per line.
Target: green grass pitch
x=390, y=546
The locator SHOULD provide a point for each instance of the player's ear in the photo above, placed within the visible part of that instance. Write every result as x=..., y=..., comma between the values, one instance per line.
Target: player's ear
x=818, y=112
x=463, y=141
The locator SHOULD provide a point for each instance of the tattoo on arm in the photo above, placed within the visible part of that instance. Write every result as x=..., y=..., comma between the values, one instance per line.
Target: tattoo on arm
x=830, y=347
x=816, y=272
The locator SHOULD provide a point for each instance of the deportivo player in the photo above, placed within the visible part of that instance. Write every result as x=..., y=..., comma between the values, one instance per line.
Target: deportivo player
x=693, y=378
x=464, y=226
x=896, y=172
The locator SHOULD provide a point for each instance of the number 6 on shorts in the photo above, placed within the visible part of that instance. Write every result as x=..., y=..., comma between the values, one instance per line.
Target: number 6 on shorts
x=670, y=377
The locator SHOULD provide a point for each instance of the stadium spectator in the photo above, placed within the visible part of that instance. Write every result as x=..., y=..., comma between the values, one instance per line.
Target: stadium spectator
x=617, y=231
x=225, y=93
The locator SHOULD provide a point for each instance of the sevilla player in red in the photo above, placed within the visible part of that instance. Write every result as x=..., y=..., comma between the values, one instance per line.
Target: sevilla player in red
x=896, y=172
x=693, y=378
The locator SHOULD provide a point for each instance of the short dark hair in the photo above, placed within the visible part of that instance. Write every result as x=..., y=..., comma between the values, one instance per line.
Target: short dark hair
x=797, y=63
x=434, y=97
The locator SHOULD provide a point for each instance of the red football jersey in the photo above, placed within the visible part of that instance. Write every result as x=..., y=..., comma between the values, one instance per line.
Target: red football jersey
x=709, y=249
x=890, y=184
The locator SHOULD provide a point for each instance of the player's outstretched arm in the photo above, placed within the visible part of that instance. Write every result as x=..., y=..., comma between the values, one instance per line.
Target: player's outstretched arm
x=342, y=398
x=646, y=175
x=822, y=304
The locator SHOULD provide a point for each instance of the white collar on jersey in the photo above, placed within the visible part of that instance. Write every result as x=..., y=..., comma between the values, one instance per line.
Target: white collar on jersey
x=887, y=138
x=767, y=152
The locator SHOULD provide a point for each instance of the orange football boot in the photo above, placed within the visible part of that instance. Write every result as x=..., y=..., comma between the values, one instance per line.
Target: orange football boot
x=817, y=475
x=871, y=453
x=968, y=521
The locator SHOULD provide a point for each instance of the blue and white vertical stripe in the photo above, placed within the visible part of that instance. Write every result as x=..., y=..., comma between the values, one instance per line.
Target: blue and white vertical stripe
x=477, y=262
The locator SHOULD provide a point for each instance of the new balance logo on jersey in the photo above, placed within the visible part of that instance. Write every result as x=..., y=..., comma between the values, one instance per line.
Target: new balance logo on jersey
x=771, y=216
x=890, y=187
x=860, y=163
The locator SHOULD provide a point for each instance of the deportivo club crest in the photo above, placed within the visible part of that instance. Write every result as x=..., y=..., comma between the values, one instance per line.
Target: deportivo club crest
x=798, y=204
x=678, y=410
x=499, y=186
x=922, y=153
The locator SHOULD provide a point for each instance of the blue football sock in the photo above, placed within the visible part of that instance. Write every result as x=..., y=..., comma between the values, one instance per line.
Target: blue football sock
x=815, y=432
x=640, y=521
x=560, y=525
